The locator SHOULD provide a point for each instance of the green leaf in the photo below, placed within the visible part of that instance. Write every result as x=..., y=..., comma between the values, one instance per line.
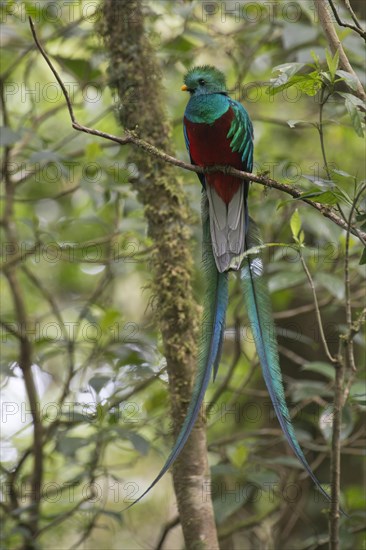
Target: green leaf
x=341, y=177
x=336, y=195
x=349, y=79
x=332, y=62
x=289, y=69
x=310, y=83
x=316, y=58
x=358, y=392
x=281, y=82
x=327, y=197
x=239, y=456
x=343, y=196
x=319, y=367
x=295, y=224
x=353, y=105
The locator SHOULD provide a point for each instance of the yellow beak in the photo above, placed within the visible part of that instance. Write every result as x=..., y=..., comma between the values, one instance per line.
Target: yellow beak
x=184, y=88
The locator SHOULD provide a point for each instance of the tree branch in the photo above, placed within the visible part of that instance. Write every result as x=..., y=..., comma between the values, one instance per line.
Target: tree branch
x=131, y=138
x=335, y=44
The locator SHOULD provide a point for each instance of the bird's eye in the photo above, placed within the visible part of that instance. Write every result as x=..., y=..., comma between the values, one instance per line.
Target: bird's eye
x=201, y=82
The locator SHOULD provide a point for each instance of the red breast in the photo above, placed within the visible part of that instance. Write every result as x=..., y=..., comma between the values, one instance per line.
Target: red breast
x=209, y=145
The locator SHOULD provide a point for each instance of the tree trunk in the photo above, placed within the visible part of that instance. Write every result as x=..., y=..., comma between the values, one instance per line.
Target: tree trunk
x=135, y=74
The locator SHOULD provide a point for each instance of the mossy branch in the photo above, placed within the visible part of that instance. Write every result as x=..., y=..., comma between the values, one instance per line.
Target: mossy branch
x=131, y=138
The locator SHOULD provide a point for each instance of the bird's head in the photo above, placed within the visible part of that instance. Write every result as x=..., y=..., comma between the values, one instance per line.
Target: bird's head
x=204, y=80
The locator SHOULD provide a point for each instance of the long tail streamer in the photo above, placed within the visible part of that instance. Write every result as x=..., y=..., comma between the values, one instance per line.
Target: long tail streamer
x=215, y=305
x=259, y=312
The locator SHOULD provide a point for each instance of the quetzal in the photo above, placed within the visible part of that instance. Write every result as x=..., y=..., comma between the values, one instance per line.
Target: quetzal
x=218, y=131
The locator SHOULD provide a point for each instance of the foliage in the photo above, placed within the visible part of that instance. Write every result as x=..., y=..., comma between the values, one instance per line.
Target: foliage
x=75, y=242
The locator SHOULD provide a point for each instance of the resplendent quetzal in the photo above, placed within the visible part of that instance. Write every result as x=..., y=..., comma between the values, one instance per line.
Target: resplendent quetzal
x=218, y=131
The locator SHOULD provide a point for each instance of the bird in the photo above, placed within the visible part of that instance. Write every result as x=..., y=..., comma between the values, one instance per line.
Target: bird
x=218, y=131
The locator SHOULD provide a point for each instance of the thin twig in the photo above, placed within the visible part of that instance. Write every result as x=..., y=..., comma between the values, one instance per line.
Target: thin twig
x=353, y=15
x=356, y=28
x=317, y=310
x=167, y=528
x=320, y=130
x=349, y=342
x=335, y=458
x=339, y=397
x=353, y=328
x=64, y=91
x=131, y=138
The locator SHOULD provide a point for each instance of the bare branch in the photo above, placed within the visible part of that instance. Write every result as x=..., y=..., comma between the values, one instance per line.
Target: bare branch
x=356, y=28
x=353, y=15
